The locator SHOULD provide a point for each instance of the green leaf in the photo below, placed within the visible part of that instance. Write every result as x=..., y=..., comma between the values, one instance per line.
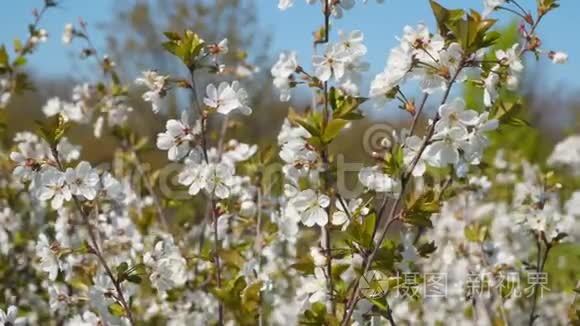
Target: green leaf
x=123, y=267
x=20, y=61
x=116, y=310
x=421, y=209
x=304, y=265
x=332, y=130
x=170, y=47
x=134, y=279
x=52, y=130
x=121, y=271
x=426, y=249
x=511, y=114
x=172, y=36
x=312, y=129
x=17, y=45
x=394, y=161
x=361, y=233
x=232, y=257
x=3, y=57
x=381, y=304
x=345, y=106
x=445, y=16
x=251, y=296
x=386, y=257
x=475, y=232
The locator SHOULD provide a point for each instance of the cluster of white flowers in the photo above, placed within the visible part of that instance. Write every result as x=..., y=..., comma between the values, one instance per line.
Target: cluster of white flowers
x=167, y=264
x=422, y=56
x=156, y=89
x=283, y=73
x=497, y=258
x=343, y=61
x=227, y=98
x=459, y=137
x=509, y=61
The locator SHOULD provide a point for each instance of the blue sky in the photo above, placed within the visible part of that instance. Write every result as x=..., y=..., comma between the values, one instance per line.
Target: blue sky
x=292, y=29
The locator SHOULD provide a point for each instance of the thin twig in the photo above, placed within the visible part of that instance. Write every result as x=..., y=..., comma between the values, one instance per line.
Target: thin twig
x=95, y=246
x=540, y=264
x=211, y=201
x=351, y=303
x=418, y=114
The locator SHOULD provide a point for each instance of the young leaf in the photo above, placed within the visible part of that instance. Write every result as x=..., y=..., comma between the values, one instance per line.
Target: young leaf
x=332, y=130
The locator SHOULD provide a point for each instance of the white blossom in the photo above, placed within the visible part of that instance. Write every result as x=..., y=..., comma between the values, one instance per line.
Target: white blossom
x=68, y=34
x=167, y=264
x=375, y=180
x=48, y=259
x=226, y=98
x=177, y=138
x=558, y=57
x=491, y=5
x=82, y=180
x=311, y=207
x=156, y=89
x=332, y=63
x=219, y=179
x=282, y=72
x=53, y=187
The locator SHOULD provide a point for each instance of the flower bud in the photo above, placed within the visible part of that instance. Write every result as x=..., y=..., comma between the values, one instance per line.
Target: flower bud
x=558, y=57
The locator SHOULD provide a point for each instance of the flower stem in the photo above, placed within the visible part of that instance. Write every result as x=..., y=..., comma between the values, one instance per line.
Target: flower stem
x=540, y=263
x=95, y=247
x=405, y=180
x=211, y=202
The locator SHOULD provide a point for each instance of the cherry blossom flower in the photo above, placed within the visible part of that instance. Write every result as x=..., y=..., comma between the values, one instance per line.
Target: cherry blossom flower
x=226, y=98
x=490, y=92
x=332, y=63
x=157, y=88
x=9, y=317
x=454, y=114
x=314, y=287
x=177, y=138
x=352, y=43
x=86, y=319
x=558, y=57
x=338, y=7
x=445, y=147
x=219, y=49
x=490, y=6
x=311, y=207
x=282, y=72
x=219, y=179
x=243, y=98
x=68, y=34
x=69, y=111
x=167, y=264
x=83, y=180
x=511, y=58
x=353, y=208
x=53, y=186
x=375, y=180
x=193, y=175
x=48, y=259
x=111, y=187
x=39, y=36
